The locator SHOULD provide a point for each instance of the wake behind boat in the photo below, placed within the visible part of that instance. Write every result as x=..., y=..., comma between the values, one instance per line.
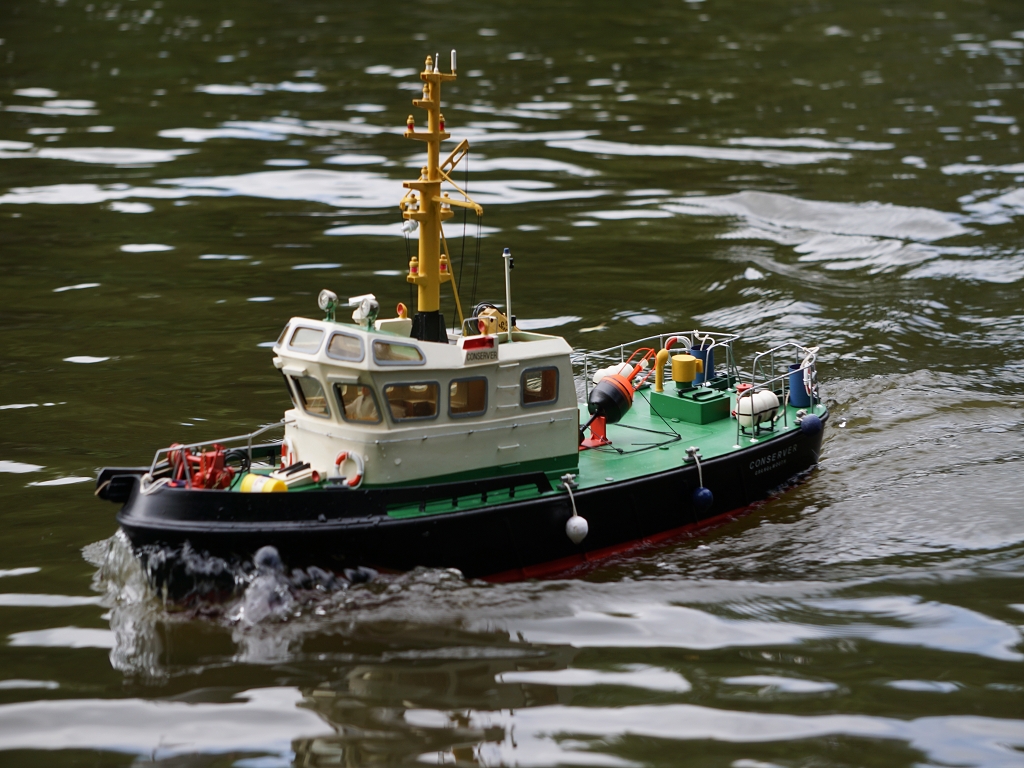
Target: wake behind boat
x=408, y=448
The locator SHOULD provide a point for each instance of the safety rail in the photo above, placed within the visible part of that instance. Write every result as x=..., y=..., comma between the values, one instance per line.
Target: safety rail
x=164, y=453
x=772, y=370
x=588, y=362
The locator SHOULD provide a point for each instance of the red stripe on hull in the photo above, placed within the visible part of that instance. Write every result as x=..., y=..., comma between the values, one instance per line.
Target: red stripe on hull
x=562, y=565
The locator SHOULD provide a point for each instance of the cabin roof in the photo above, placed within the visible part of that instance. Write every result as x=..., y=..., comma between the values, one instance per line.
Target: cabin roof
x=344, y=345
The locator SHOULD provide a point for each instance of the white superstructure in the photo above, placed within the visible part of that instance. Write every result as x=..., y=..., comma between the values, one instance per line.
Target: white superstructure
x=416, y=410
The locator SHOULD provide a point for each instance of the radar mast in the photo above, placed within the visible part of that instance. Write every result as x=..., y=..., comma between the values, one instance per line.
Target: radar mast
x=426, y=205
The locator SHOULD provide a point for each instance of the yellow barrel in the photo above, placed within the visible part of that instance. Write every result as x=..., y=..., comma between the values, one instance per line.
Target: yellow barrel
x=260, y=484
x=685, y=368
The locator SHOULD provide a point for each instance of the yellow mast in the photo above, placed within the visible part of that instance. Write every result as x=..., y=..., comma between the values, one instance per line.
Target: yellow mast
x=425, y=204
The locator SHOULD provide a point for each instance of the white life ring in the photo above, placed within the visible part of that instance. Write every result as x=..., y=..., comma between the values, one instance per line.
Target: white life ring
x=357, y=479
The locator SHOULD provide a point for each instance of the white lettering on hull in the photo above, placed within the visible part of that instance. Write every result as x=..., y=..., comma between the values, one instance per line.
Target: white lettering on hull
x=772, y=461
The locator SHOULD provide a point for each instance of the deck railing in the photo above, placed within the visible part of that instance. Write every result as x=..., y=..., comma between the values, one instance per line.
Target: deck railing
x=163, y=453
x=586, y=363
x=770, y=370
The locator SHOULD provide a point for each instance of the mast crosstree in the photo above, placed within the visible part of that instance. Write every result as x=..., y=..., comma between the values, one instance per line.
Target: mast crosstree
x=425, y=204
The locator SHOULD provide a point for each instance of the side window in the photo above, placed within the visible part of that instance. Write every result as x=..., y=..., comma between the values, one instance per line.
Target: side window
x=291, y=389
x=467, y=397
x=312, y=395
x=412, y=401
x=389, y=353
x=343, y=346
x=358, y=403
x=306, y=340
x=539, y=386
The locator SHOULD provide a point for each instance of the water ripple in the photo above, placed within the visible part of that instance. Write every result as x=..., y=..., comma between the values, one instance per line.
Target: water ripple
x=765, y=156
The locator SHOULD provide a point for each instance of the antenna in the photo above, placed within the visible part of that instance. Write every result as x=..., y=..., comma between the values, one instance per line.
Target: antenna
x=509, y=264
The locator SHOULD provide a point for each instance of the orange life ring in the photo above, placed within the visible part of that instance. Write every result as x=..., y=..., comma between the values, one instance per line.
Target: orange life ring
x=357, y=479
x=288, y=455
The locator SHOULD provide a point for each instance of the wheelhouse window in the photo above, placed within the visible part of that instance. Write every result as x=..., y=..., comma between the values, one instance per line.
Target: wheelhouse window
x=306, y=340
x=345, y=346
x=281, y=338
x=467, y=397
x=311, y=396
x=391, y=353
x=539, y=386
x=358, y=403
x=408, y=402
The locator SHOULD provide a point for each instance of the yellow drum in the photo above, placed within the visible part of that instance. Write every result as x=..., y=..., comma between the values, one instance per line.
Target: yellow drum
x=252, y=483
x=685, y=368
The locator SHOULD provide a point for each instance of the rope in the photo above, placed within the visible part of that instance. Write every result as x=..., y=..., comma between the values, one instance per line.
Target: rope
x=694, y=453
x=809, y=369
x=567, y=482
x=657, y=412
x=148, y=484
x=673, y=437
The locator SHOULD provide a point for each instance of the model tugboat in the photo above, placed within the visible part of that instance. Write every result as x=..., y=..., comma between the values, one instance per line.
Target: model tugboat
x=405, y=448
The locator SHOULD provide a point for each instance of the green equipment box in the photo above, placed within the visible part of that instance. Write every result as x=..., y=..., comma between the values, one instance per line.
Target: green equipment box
x=695, y=406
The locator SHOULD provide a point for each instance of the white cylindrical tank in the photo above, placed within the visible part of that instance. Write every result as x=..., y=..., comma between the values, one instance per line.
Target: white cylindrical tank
x=755, y=407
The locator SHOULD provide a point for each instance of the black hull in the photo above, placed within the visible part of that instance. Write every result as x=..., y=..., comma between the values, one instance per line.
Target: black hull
x=340, y=528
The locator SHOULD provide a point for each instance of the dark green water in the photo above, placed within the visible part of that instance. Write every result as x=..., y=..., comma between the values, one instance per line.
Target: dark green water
x=179, y=178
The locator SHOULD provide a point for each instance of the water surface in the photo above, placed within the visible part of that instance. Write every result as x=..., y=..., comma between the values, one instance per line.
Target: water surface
x=179, y=179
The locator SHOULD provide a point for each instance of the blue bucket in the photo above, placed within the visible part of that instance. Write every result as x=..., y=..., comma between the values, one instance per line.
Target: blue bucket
x=707, y=356
x=798, y=396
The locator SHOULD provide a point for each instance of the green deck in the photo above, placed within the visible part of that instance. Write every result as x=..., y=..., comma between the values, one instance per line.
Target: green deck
x=605, y=466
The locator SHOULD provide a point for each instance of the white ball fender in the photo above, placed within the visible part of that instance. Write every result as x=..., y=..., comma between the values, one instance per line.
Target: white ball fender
x=576, y=529
x=622, y=369
x=357, y=479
